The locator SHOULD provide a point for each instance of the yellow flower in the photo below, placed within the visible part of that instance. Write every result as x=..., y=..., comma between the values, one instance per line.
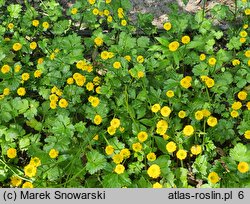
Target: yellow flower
x=70, y=80
x=137, y=147
x=154, y=171
x=128, y=58
x=247, y=134
x=21, y=91
x=142, y=136
x=171, y=147
x=74, y=11
x=182, y=114
x=11, y=153
x=117, y=65
x=53, y=97
x=243, y=34
x=30, y=170
x=242, y=95
x=111, y=130
x=248, y=63
x=97, y=119
x=106, y=12
x=109, y=19
x=234, y=114
x=212, y=61
x=123, y=22
x=170, y=94
x=63, y=103
x=157, y=185
x=96, y=137
x=235, y=62
x=209, y=82
x=162, y=127
x=185, y=39
x=162, y=123
x=167, y=26
x=151, y=156
x=195, y=149
x=33, y=45
x=206, y=113
x=140, y=74
x=108, y=1
x=91, y=2
x=181, y=154
x=10, y=26
x=98, y=41
x=236, y=105
x=140, y=59
x=212, y=121
x=247, y=53
x=202, y=57
x=119, y=169
x=242, y=40
x=213, y=177
x=45, y=25
x=125, y=153
x=188, y=130
x=109, y=150
x=37, y=73
x=27, y=184
x=6, y=91
x=35, y=161
x=53, y=104
x=245, y=26
x=95, y=11
x=155, y=108
x=89, y=86
x=243, y=167
x=120, y=13
x=35, y=23
x=117, y=158
x=198, y=115
x=80, y=64
x=53, y=153
x=25, y=76
x=115, y=122
x=98, y=90
x=40, y=60
x=248, y=105
x=104, y=55
x=94, y=101
x=173, y=46
x=186, y=82
x=165, y=111
x=17, y=68
x=17, y=46
x=15, y=181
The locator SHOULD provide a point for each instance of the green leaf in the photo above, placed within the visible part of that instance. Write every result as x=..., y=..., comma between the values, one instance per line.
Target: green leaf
x=161, y=143
x=14, y=10
x=61, y=27
x=163, y=41
x=234, y=43
x=200, y=166
x=239, y=153
x=80, y=127
x=96, y=161
x=24, y=143
x=143, y=42
x=181, y=173
x=114, y=180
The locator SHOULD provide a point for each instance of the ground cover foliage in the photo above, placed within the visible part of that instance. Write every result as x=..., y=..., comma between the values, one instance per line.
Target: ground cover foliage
x=91, y=99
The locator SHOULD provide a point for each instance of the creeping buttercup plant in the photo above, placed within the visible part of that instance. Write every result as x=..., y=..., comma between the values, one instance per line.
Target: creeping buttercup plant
x=89, y=98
